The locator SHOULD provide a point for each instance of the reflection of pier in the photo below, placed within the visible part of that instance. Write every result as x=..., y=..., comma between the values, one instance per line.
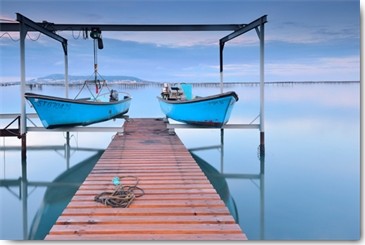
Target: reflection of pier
x=59, y=191
x=220, y=175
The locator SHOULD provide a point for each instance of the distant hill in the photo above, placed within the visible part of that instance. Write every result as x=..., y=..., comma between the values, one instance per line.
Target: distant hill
x=77, y=78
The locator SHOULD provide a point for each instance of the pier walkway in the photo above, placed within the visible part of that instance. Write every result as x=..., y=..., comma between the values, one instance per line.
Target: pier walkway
x=179, y=202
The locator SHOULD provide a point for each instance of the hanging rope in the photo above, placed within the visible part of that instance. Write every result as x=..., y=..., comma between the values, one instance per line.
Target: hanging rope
x=122, y=196
x=99, y=84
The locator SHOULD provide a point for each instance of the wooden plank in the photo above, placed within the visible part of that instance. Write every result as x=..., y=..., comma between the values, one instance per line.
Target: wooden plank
x=154, y=203
x=204, y=196
x=77, y=220
x=195, y=211
x=139, y=237
x=179, y=203
x=202, y=228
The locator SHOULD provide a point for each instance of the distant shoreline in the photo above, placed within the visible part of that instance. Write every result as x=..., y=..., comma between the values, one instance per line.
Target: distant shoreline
x=198, y=84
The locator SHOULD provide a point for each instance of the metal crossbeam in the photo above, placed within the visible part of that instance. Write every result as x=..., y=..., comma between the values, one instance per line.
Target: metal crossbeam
x=244, y=29
x=227, y=126
x=11, y=27
x=37, y=27
x=14, y=115
x=76, y=129
x=150, y=27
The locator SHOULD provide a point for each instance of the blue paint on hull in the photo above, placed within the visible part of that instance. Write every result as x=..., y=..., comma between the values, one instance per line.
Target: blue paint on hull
x=60, y=112
x=211, y=111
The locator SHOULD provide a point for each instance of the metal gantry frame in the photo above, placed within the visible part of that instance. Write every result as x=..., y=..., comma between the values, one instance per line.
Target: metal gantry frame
x=259, y=26
x=25, y=25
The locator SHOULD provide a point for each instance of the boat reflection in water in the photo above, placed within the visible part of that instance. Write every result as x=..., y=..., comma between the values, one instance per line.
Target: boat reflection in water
x=58, y=192
x=58, y=195
x=218, y=178
x=219, y=183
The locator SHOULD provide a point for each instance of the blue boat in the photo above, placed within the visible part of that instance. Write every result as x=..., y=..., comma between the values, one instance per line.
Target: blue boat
x=210, y=111
x=57, y=112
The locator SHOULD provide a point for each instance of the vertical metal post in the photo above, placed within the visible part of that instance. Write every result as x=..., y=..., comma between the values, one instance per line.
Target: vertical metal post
x=221, y=46
x=23, y=33
x=262, y=89
x=66, y=95
x=23, y=115
x=66, y=75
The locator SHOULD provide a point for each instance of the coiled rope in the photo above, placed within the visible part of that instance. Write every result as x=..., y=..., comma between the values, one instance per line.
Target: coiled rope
x=122, y=196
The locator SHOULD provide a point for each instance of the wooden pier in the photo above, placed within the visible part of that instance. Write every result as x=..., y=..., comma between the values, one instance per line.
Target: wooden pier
x=179, y=202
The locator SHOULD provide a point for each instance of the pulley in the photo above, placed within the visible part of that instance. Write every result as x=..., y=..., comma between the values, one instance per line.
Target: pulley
x=95, y=33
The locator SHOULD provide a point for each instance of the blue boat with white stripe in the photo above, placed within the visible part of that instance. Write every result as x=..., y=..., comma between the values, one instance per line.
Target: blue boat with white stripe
x=178, y=104
x=57, y=112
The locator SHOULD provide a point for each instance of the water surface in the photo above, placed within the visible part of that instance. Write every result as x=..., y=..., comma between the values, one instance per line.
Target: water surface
x=307, y=187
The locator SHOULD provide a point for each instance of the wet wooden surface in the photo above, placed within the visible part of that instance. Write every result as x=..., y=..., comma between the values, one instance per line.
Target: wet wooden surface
x=179, y=202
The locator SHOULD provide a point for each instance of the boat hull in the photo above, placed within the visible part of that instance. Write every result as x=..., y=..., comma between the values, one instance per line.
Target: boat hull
x=211, y=111
x=57, y=112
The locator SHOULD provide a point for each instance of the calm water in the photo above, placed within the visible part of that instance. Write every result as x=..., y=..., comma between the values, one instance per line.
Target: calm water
x=306, y=188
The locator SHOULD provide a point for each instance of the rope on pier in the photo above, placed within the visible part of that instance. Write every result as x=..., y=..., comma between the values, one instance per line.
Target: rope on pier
x=122, y=196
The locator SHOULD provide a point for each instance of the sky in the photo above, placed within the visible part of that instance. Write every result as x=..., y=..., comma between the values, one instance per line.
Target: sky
x=312, y=40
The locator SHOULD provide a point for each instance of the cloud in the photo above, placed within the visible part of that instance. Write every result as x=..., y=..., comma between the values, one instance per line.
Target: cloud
x=7, y=18
x=316, y=69
x=303, y=33
x=330, y=97
x=169, y=39
x=323, y=68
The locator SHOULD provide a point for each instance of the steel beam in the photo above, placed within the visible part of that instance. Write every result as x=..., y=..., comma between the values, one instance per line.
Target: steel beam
x=37, y=27
x=244, y=29
x=10, y=132
x=150, y=27
x=227, y=126
x=14, y=115
x=51, y=27
x=77, y=129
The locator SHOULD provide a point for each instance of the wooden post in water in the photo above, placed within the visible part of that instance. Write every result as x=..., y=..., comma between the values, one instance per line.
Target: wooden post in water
x=24, y=197
x=24, y=146
x=262, y=197
x=67, y=149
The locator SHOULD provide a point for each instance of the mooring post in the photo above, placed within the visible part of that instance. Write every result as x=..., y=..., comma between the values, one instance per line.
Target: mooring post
x=24, y=197
x=262, y=197
x=24, y=146
x=67, y=149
